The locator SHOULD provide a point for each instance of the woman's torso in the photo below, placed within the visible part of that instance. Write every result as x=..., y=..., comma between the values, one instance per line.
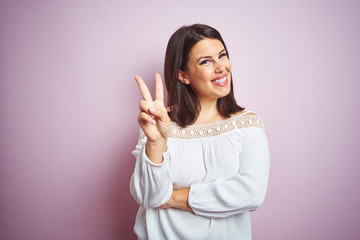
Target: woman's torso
x=201, y=154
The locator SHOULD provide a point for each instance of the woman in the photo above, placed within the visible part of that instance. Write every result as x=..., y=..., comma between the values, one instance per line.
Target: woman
x=202, y=163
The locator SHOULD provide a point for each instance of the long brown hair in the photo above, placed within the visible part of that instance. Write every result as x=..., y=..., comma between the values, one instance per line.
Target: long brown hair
x=184, y=104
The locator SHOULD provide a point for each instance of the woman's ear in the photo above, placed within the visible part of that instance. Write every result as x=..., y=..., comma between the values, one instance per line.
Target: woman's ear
x=183, y=78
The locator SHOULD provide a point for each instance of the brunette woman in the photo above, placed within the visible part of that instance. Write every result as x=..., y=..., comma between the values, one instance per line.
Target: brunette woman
x=202, y=163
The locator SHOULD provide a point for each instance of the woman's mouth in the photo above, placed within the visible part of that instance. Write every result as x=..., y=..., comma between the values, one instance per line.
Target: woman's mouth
x=220, y=81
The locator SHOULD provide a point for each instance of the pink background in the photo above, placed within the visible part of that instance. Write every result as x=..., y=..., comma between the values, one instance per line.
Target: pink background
x=69, y=106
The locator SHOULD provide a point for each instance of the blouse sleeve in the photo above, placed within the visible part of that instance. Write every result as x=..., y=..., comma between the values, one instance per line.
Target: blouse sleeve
x=150, y=184
x=244, y=191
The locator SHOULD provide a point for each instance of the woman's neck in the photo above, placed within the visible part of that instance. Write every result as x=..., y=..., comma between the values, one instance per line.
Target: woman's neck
x=208, y=113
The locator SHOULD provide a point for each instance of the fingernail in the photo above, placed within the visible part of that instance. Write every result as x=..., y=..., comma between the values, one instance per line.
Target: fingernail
x=154, y=122
x=152, y=116
x=152, y=110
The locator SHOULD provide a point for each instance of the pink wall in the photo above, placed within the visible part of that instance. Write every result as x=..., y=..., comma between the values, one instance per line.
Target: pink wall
x=69, y=106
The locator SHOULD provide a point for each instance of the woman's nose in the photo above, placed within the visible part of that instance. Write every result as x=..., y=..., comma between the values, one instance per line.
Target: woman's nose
x=219, y=67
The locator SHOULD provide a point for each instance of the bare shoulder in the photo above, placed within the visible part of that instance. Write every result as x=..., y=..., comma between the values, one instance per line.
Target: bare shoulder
x=243, y=113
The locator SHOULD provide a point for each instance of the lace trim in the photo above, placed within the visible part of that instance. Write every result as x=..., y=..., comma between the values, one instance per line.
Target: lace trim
x=213, y=129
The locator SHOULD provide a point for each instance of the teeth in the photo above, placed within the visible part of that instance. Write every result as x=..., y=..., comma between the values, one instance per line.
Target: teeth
x=220, y=80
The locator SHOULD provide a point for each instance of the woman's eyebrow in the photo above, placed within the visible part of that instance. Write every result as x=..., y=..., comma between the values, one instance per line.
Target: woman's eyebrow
x=210, y=56
x=224, y=50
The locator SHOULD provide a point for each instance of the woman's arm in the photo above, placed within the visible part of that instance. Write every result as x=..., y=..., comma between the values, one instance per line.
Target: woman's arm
x=179, y=200
x=150, y=183
x=243, y=192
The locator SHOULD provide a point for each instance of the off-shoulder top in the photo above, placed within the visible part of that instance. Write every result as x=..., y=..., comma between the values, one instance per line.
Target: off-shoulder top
x=225, y=164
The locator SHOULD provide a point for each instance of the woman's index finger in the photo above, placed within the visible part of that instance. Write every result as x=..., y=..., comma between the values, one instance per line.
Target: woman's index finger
x=143, y=88
x=159, y=89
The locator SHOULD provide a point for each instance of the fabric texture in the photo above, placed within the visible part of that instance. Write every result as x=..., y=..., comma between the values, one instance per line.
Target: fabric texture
x=225, y=164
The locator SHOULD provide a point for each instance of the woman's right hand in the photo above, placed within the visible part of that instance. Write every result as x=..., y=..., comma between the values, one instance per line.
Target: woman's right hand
x=153, y=117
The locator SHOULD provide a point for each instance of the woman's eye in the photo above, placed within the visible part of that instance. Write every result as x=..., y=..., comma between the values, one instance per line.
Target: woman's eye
x=204, y=62
x=223, y=55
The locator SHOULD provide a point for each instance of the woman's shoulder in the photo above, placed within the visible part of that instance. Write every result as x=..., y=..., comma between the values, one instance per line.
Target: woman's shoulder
x=243, y=113
x=247, y=119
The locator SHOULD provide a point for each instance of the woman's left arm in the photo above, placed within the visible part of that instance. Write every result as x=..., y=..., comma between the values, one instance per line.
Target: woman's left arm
x=243, y=192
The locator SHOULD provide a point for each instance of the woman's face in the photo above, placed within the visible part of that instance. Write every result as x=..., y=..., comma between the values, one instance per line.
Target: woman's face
x=209, y=70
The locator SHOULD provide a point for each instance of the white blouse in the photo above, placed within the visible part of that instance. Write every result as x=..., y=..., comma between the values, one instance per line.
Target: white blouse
x=226, y=166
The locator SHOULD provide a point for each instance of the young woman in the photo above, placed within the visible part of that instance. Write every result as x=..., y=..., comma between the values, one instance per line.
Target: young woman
x=202, y=163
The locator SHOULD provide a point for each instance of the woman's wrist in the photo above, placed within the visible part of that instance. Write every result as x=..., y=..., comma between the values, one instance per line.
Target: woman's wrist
x=155, y=150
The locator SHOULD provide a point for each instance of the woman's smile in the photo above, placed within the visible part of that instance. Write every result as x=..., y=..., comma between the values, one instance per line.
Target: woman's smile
x=220, y=81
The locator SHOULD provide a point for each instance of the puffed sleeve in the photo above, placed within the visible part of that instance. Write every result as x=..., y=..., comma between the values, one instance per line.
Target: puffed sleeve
x=244, y=191
x=150, y=184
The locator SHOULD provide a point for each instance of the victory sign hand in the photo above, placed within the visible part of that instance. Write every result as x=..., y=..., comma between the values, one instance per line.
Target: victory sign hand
x=153, y=117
